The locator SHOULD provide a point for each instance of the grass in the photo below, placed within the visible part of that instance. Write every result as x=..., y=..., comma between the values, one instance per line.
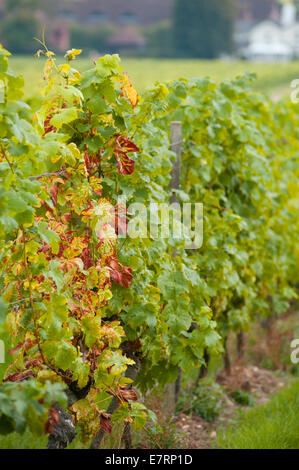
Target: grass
x=31, y=441
x=272, y=79
x=26, y=441
x=274, y=425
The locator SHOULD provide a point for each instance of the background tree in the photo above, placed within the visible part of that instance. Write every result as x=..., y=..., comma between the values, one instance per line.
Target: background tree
x=20, y=25
x=160, y=39
x=12, y=5
x=203, y=28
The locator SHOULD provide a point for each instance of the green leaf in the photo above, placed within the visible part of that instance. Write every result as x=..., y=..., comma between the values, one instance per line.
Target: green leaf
x=6, y=425
x=64, y=116
x=62, y=353
x=91, y=328
x=56, y=274
x=56, y=314
x=142, y=314
x=15, y=203
x=81, y=372
x=49, y=236
x=3, y=311
x=212, y=338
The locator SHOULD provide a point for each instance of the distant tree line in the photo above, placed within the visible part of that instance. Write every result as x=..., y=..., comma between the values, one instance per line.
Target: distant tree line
x=203, y=28
x=198, y=28
x=20, y=25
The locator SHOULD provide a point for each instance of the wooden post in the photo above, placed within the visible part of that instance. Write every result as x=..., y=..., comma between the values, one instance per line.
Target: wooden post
x=176, y=147
x=203, y=371
x=173, y=390
x=227, y=361
x=240, y=344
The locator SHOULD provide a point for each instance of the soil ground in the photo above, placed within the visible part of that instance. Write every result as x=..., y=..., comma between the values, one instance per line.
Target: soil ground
x=261, y=383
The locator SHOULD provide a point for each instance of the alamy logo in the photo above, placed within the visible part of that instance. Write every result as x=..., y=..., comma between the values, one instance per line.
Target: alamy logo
x=295, y=353
x=182, y=222
x=2, y=352
x=2, y=91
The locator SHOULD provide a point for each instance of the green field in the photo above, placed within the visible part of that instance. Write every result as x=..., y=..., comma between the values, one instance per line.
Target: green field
x=273, y=79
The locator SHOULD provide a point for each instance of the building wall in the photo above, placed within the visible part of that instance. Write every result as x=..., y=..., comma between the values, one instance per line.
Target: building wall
x=291, y=36
x=273, y=41
x=266, y=32
x=115, y=11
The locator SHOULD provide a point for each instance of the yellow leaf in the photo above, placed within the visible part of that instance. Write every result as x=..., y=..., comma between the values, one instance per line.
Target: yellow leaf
x=129, y=91
x=72, y=53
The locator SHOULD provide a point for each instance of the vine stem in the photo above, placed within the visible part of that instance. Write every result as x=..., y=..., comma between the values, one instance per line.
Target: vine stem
x=34, y=317
x=141, y=123
x=9, y=163
x=28, y=275
x=54, y=173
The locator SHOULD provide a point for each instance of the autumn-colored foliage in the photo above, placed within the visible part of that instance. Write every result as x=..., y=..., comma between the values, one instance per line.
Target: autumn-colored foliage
x=60, y=260
x=82, y=303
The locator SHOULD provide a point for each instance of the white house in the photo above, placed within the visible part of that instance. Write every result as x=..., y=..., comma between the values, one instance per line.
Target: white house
x=271, y=41
x=291, y=37
x=288, y=14
x=267, y=43
x=266, y=32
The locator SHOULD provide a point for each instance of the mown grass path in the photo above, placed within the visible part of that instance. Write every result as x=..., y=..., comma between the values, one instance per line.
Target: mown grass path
x=274, y=425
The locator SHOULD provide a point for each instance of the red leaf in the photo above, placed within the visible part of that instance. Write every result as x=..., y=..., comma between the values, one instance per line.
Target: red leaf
x=55, y=416
x=54, y=192
x=27, y=345
x=53, y=419
x=123, y=146
x=47, y=126
x=125, y=164
x=121, y=219
x=120, y=274
x=135, y=345
x=105, y=422
x=49, y=428
x=16, y=348
x=125, y=394
x=86, y=257
x=19, y=376
x=87, y=162
x=33, y=363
